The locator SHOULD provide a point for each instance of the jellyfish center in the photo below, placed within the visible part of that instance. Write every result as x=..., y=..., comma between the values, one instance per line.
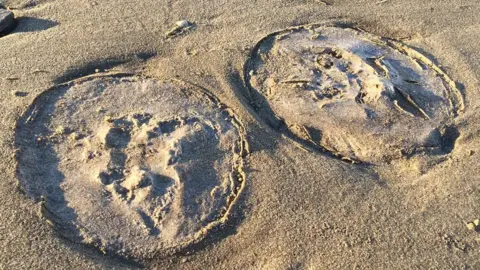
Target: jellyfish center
x=143, y=155
x=342, y=75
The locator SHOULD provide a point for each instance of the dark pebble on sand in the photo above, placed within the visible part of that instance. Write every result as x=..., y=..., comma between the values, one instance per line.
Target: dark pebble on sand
x=7, y=20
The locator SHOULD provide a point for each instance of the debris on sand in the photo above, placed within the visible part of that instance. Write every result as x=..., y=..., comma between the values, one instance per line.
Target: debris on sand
x=474, y=225
x=180, y=28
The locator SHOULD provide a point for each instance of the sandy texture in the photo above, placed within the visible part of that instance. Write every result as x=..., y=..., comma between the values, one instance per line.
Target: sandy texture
x=301, y=208
x=131, y=166
x=336, y=86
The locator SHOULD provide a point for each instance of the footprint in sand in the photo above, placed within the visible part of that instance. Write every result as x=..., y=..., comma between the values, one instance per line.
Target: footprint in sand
x=130, y=165
x=355, y=95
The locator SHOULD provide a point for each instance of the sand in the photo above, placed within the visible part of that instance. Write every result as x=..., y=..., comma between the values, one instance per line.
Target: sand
x=115, y=170
x=300, y=207
x=335, y=86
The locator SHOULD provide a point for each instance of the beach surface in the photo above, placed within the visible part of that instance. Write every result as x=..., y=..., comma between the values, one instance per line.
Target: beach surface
x=293, y=203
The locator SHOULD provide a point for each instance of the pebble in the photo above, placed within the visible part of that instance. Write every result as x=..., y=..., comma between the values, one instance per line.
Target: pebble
x=20, y=93
x=74, y=136
x=474, y=225
x=7, y=20
x=471, y=226
x=179, y=28
x=60, y=130
x=183, y=23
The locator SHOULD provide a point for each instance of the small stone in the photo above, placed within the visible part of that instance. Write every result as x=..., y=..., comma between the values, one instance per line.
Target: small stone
x=476, y=222
x=60, y=130
x=41, y=140
x=7, y=20
x=191, y=52
x=179, y=28
x=74, y=136
x=20, y=94
x=183, y=23
x=471, y=226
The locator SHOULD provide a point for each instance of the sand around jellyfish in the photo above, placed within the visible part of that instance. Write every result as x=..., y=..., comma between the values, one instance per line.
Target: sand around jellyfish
x=131, y=165
x=353, y=94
